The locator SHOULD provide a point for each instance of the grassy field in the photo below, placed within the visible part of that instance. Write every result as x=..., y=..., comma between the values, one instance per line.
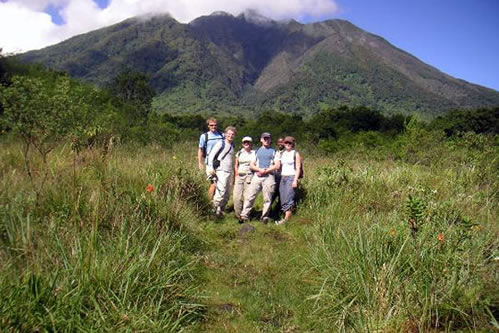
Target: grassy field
x=386, y=239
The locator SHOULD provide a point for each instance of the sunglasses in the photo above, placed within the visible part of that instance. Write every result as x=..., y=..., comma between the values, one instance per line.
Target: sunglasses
x=288, y=143
x=211, y=125
x=246, y=142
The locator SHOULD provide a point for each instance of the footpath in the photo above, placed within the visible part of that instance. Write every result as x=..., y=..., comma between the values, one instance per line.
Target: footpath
x=254, y=279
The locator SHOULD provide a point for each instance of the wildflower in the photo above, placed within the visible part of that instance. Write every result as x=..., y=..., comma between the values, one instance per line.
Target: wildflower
x=149, y=188
x=392, y=232
x=440, y=237
x=174, y=157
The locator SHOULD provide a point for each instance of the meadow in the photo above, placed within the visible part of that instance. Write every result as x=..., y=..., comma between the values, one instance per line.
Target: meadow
x=389, y=236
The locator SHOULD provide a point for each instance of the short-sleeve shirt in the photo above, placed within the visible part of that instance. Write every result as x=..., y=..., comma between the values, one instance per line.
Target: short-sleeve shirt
x=213, y=138
x=265, y=157
x=244, y=159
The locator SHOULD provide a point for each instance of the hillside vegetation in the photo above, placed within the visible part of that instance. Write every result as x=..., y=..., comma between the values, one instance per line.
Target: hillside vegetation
x=238, y=65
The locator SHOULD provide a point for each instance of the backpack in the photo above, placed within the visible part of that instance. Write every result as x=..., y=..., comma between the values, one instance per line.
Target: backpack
x=205, y=146
x=300, y=175
x=216, y=161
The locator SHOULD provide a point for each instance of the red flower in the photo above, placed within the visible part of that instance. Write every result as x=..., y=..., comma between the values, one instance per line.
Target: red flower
x=149, y=188
x=440, y=237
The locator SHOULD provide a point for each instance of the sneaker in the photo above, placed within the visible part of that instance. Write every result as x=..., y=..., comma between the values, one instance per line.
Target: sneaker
x=281, y=221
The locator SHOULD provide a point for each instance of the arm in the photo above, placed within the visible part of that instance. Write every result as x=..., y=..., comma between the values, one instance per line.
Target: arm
x=253, y=166
x=236, y=166
x=200, y=152
x=211, y=157
x=297, y=171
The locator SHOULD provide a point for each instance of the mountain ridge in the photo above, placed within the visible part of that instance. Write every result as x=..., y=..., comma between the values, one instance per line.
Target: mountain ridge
x=226, y=63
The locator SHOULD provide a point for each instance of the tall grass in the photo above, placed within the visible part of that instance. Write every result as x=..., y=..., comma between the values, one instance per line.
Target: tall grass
x=400, y=245
x=98, y=251
x=390, y=237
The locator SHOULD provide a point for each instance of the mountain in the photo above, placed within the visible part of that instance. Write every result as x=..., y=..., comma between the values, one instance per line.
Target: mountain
x=225, y=63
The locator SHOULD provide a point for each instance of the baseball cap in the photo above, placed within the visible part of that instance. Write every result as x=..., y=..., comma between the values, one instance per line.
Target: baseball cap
x=247, y=138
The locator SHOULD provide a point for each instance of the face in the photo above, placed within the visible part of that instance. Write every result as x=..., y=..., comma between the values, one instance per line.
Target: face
x=247, y=145
x=288, y=145
x=280, y=143
x=230, y=135
x=212, y=125
x=266, y=141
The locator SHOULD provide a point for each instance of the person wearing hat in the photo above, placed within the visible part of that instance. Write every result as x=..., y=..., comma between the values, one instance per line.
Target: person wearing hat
x=291, y=166
x=264, y=165
x=243, y=174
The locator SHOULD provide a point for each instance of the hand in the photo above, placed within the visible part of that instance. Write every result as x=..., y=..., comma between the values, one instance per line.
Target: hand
x=213, y=172
x=201, y=166
x=295, y=184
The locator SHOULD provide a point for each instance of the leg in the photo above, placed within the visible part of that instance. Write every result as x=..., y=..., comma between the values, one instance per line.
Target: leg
x=268, y=192
x=238, y=195
x=250, y=196
x=222, y=189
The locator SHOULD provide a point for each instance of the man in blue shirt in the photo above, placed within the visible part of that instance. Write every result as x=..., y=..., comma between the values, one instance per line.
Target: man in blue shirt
x=207, y=141
x=266, y=163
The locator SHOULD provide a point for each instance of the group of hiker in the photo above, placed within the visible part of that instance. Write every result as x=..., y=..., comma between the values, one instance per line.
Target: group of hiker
x=275, y=173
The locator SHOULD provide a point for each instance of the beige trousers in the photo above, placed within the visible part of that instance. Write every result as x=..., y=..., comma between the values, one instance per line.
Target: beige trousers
x=224, y=183
x=264, y=184
x=241, y=187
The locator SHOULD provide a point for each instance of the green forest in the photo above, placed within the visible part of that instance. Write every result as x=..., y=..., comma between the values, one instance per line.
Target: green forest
x=105, y=222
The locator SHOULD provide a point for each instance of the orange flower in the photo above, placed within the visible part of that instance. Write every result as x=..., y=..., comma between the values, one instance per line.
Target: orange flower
x=392, y=232
x=149, y=188
x=440, y=237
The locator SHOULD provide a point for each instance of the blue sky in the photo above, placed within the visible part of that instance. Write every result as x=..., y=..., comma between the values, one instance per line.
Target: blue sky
x=458, y=37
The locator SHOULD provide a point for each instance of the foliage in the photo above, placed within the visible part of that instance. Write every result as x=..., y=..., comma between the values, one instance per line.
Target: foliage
x=134, y=93
x=482, y=120
x=226, y=65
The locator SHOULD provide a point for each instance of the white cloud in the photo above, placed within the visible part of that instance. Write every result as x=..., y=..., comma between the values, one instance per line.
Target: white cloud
x=24, y=25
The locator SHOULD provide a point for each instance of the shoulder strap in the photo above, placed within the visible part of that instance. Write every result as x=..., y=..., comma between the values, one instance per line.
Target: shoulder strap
x=228, y=151
x=294, y=159
x=219, y=151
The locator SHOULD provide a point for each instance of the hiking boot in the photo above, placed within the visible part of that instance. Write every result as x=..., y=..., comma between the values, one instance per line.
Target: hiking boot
x=281, y=221
x=265, y=220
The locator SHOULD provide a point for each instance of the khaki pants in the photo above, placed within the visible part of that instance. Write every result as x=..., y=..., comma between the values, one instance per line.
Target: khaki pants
x=267, y=186
x=224, y=182
x=241, y=187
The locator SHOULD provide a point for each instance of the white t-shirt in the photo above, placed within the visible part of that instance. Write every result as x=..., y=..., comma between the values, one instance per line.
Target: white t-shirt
x=288, y=163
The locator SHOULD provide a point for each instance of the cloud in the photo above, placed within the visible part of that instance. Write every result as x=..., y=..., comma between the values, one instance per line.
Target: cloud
x=25, y=26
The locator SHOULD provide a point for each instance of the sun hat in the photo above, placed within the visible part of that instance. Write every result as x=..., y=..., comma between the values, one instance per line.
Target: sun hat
x=247, y=138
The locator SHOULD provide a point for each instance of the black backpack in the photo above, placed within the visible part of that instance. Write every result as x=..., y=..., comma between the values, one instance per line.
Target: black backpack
x=205, y=146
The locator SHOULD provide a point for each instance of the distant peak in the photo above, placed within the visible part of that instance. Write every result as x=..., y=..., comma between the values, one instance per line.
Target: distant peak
x=221, y=13
x=252, y=16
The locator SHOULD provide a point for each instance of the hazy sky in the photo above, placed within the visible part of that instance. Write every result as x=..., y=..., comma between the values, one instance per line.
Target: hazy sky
x=459, y=37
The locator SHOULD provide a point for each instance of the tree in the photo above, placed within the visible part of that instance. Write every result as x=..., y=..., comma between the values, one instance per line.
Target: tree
x=135, y=94
x=43, y=113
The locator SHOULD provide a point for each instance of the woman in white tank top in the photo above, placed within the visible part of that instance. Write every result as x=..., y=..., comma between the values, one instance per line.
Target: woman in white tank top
x=290, y=173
